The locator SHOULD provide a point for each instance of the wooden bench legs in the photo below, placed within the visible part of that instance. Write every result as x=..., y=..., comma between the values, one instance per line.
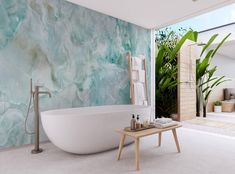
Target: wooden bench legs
x=137, y=150
x=176, y=140
x=122, y=140
x=137, y=146
x=137, y=153
x=159, y=139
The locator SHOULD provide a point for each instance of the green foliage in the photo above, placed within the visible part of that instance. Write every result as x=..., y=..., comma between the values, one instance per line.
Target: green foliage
x=217, y=103
x=168, y=39
x=205, y=79
x=168, y=45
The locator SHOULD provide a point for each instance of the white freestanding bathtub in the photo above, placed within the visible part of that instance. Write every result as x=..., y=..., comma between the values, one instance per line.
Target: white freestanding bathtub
x=89, y=130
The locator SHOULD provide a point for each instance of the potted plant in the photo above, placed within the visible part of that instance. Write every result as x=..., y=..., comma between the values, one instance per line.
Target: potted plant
x=217, y=106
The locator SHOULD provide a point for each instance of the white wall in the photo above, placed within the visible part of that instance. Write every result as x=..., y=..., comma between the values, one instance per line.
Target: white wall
x=205, y=36
x=224, y=60
x=226, y=65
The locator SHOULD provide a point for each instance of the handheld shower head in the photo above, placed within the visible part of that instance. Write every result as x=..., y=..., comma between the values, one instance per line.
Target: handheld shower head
x=31, y=86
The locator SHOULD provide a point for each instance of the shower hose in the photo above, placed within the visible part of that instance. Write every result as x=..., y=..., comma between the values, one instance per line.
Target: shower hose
x=27, y=115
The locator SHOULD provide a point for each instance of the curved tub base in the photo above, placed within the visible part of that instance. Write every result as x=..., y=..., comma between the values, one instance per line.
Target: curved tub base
x=89, y=130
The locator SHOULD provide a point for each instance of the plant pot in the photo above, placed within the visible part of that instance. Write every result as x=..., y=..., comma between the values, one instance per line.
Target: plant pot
x=217, y=109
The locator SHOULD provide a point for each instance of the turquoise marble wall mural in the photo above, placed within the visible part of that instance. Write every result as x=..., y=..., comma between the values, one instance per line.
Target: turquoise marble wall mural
x=76, y=53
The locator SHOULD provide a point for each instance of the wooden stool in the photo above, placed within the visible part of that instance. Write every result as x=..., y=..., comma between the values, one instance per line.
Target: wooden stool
x=139, y=134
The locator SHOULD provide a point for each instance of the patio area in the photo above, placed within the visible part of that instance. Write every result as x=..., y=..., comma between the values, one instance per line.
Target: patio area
x=220, y=123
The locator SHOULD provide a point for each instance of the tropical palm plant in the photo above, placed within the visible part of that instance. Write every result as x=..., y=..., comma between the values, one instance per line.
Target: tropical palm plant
x=205, y=79
x=166, y=72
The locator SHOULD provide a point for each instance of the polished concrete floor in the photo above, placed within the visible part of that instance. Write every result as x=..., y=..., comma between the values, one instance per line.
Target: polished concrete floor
x=202, y=153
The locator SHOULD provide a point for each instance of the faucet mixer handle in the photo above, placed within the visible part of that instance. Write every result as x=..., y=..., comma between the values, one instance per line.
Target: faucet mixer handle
x=38, y=86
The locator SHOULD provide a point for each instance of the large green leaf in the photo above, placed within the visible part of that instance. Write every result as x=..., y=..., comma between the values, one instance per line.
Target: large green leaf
x=217, y=81
x=193, y=37
x=207, y=95
x=220, y=44
x=189, y=35
x=223, y=81
x=208, y=44
x=207, y=81
x=167, y=49
x=212, y=71
x=202, y=66
x=159, y=60
x=205, y=89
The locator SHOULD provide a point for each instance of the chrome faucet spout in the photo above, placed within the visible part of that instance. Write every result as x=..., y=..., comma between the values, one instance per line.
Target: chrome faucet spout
x=45, y=92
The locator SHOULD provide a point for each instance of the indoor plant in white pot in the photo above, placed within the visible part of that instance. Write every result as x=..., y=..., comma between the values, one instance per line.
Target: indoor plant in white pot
x=217, y=106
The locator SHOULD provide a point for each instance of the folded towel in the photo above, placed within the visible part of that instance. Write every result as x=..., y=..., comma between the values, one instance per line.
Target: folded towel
x=159, y=125
x=141, y=76
x=163, y=120
x=136, y=63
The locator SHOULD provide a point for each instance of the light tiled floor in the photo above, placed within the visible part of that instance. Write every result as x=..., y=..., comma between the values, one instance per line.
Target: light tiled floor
x=202, y=153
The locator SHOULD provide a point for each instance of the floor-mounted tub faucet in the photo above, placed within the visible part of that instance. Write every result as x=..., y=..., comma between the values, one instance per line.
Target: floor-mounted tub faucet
x=35, y=95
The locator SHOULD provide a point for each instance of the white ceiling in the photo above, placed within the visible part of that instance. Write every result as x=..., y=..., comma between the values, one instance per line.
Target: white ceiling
x=152, y=13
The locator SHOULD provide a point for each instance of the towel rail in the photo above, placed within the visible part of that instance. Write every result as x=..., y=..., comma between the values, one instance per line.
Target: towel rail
x=143, y=67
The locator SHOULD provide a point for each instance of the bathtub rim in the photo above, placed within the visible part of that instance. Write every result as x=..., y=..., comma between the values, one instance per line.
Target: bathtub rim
x=57, y=111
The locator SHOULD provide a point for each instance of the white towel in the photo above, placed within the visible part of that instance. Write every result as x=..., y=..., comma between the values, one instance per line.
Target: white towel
x=135, y=75
x=141, y=76
x=136, y=63
x=139, y=93
x=136, y=94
